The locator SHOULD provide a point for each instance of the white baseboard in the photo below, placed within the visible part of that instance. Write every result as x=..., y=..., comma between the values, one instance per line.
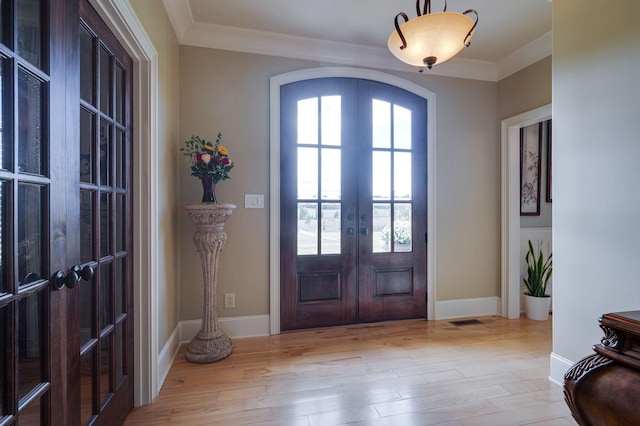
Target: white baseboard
x=558, y=366
x=235, y=327
x=461, y=308
x=167, y=355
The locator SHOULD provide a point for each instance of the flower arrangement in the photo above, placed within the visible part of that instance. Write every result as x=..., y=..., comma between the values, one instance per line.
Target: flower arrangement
x=208, y=158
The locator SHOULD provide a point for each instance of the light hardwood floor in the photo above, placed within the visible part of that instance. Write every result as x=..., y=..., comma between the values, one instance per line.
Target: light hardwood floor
x=397, y=373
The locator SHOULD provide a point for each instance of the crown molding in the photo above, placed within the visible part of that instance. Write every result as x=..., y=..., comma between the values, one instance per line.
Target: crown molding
x=213, y=36
x=283, y=45
x=527, y=55
x=180, y=16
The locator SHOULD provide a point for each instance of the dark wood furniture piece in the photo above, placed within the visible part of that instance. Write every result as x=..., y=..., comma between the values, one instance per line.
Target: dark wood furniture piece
x=604, y=388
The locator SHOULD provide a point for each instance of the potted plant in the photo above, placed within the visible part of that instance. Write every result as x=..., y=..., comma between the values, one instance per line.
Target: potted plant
x=539, y=271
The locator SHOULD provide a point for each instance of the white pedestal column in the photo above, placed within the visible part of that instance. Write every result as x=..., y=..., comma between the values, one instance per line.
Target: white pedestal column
x=211, y=343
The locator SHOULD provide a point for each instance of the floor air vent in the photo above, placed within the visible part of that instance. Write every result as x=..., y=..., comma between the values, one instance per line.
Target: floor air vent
x=465, y=322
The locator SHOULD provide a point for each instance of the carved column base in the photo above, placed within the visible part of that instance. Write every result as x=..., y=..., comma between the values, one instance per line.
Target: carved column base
x=205, y=349
x=211, y=343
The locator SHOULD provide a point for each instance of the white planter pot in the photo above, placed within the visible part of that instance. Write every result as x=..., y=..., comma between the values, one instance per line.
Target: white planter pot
x=537, y=308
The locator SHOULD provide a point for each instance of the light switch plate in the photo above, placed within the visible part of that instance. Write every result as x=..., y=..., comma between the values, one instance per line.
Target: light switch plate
x=253, y=201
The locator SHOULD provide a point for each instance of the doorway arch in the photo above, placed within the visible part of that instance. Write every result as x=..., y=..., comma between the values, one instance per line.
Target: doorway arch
x=274, y=180
x=510, y=189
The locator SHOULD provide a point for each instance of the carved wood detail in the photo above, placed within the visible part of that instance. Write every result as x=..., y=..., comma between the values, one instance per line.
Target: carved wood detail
x=603, y=388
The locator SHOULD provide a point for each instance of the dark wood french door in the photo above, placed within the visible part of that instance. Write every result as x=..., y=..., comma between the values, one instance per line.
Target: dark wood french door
x=353, y=203
x=104, y=306
x=65, y=245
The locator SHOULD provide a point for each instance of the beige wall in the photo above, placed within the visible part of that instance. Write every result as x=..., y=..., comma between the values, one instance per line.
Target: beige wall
x=596, y=99
x=157, y=26
x=229, y=92
x=524, y=91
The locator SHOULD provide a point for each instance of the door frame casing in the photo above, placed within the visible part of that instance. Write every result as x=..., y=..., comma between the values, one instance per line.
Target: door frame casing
x=510, y=244
x=274, y=179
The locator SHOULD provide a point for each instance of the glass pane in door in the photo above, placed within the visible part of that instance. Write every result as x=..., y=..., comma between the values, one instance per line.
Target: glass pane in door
x=120, y=222
x=402, y=174
x=381, y=119
x=87, y=311
x=6, y=142
x=120, y=97
x=4, y=238
x=331, y=173
x=87, y=146
x=331, y=115
x=119, y=353
x=105, y=81
x=402, y=229
x=106, y=307
x=401, y=127
x=86, y=65
x=308, y=121
x=330, y=242
x=87, y=385
x=86, y=225
x=105, y=153
x=29, y=31
x=105, y=367
x=105, y=224
x=30, y=128
x=31, y=334
x=4, y=355
x=121, y=150
x=307, y=228
x=381, y=227
x=31, y=265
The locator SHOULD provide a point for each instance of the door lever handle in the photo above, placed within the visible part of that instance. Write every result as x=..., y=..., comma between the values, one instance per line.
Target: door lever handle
x=86, y=273
x=71, y=278
x=60, y=279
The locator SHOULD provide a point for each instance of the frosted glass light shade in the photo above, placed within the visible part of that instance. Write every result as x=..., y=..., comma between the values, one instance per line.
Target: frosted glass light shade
x=433, y=35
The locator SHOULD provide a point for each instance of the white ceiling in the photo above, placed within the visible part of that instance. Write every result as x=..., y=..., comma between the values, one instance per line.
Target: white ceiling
x=511, y=34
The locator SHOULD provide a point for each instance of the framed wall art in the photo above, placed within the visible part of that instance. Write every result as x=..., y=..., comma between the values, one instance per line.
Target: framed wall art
x=530, y=149
x=548, y=199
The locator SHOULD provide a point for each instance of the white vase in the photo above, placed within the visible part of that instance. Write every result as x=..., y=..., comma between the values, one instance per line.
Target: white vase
x=537, y=308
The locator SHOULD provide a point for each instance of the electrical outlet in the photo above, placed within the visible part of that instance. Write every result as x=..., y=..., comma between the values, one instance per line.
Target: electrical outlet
x=229, y=300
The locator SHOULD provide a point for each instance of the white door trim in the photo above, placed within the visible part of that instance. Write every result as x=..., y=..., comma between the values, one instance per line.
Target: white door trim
x=510, y=245
x=274, y=181
x=125, y=25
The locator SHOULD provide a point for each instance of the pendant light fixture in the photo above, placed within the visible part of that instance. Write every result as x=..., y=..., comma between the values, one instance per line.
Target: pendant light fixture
x=431, y=38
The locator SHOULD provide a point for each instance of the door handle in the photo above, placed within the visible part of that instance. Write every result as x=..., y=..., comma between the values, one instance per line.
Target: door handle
x=73, y=277
x=364, y=231
x=351, y=231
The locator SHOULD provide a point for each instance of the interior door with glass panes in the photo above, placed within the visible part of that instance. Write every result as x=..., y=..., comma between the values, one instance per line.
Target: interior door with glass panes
x=353, y=203
x=65, y=269
x=36, y=192
x=104, y=303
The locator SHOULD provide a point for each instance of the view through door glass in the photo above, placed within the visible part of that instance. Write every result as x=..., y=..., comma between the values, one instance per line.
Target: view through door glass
x=353, y=203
